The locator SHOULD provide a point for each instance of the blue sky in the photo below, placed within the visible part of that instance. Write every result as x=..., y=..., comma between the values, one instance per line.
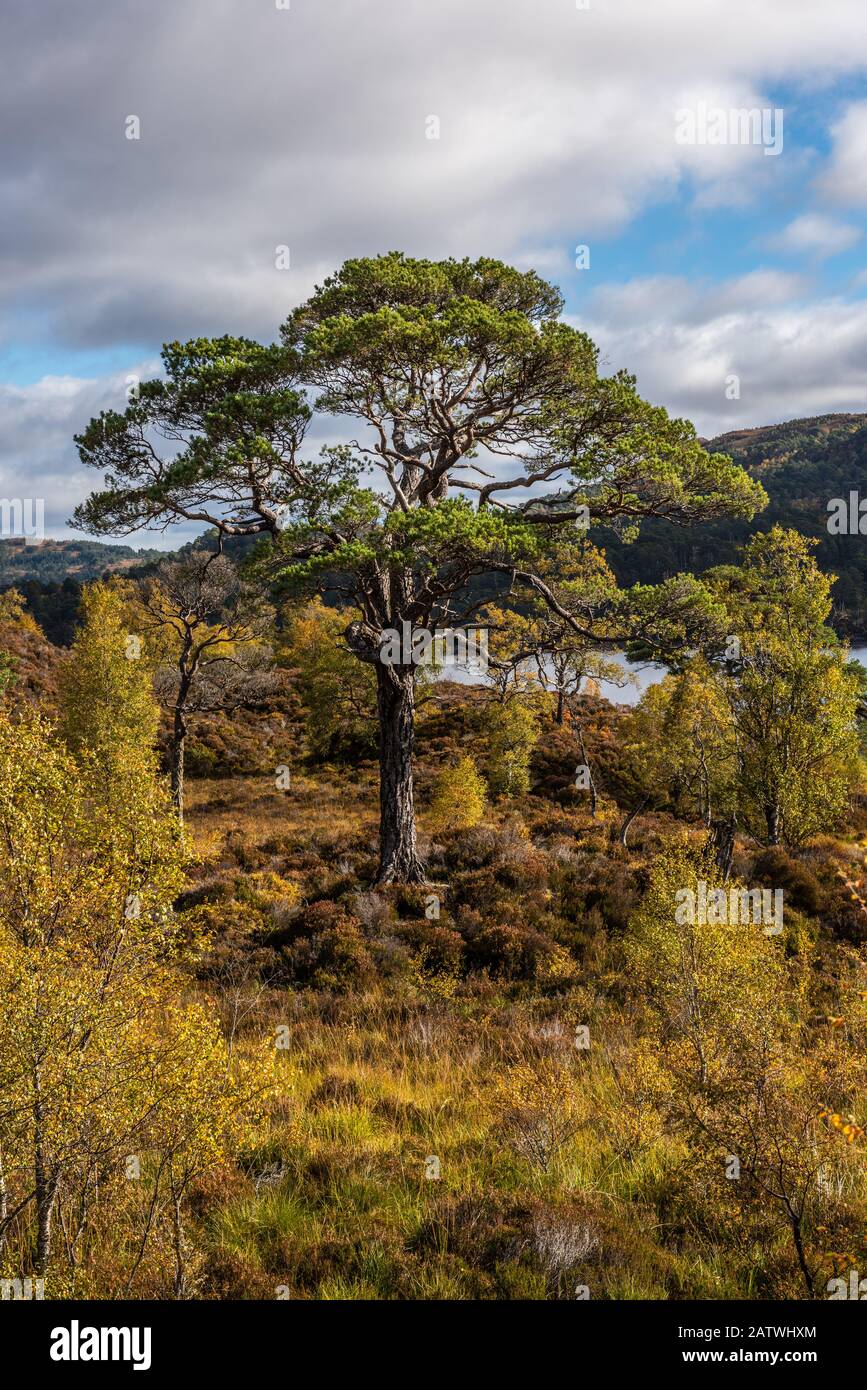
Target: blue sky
x=310, y=127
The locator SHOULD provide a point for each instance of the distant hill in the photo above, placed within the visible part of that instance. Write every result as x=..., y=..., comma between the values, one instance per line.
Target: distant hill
x=802, y=464
x=50, y=576
x=53, y=561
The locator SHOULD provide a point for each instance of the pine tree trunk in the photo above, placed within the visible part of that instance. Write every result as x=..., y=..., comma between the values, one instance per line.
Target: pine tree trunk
x=398, y=857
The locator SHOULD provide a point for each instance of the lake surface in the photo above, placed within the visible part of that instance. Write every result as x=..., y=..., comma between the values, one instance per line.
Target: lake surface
x=641, y=677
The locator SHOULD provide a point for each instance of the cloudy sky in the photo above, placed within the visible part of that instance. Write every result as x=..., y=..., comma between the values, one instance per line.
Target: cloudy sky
x=559, y=127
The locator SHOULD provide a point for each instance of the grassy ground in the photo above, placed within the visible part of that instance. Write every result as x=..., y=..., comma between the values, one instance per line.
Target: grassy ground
x=443, y=1131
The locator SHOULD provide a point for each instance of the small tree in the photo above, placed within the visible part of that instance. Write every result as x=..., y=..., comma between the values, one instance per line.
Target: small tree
x=13, y=609
x=84, y=942
x=339, y=692
x=738, y=1074
x=209, y=629
x=107, y=706
x=511, y=732
x=537, y=641
x=204, y=1106
x=458, y=797
x=792, y=698
x=103, y=1058
x=682, y=731
x=13, y=615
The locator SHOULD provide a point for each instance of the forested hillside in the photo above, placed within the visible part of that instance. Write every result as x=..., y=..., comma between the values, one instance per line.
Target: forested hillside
x=53, y=561
x=50, y=575
x=802, y=465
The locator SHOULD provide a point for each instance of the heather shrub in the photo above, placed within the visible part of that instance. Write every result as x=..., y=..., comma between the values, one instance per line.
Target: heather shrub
x=340, y=958
x=337, y=958
x=441, y=950
x=320, y=917
x=508, y=952
x=482, y=889
x=777, y=869
x=528, y=870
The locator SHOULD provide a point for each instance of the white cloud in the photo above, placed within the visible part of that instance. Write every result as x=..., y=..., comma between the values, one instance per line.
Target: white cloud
x=37, y=425
x=791, y=359
x=39, y=460
x=813, y=234
x=673, y=298
x=307, y=127
x=845, y=180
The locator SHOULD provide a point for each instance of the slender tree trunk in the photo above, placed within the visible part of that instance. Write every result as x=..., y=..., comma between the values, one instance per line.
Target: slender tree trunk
x=180, y=1282
x=594, y=801
x=772, y=816
x=704, y=782
x=561, y=701
x=398, y=856
x=807, y=1273
x=625, y=827
x=722, y=839
x=45, y=1196
x=179, y=737
x=186, y=674
x=4, y=1204
x=45, y=1183
x=147, y=1230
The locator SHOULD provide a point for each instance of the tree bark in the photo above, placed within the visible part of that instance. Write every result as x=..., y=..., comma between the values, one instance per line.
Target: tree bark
x=45, y=1184
x=807, y=1273
x=4, y=1204
x=625, y=827
x=594, y=801
x=180, y=1283
x=561, y=701
x=772, y=817
x=179, y=738
x=45, y=1195
x=398, y=856
x=187, y=667
x=722, y=839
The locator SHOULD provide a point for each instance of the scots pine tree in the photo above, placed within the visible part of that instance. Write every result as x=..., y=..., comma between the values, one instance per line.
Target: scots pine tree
x=483, y=432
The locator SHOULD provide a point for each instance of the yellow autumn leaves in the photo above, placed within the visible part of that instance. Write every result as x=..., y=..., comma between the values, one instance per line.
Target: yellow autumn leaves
x=106, y=1057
